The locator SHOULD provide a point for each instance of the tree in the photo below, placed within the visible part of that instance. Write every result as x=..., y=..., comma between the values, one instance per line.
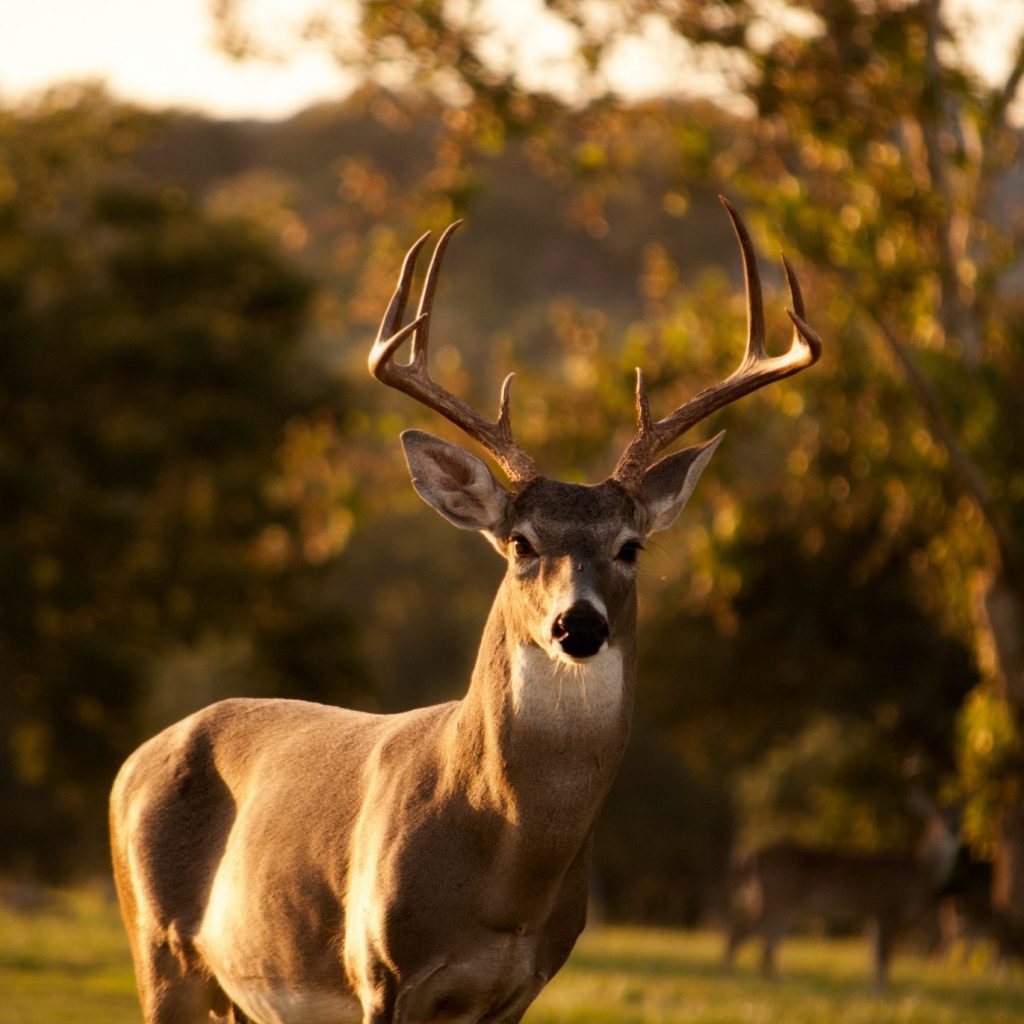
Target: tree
x=886, y=160
x=878, y=151
x=151, y=355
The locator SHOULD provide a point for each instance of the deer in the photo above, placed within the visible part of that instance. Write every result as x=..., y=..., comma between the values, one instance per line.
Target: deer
x=967, y=917
x=278, y=861
x=785, y=881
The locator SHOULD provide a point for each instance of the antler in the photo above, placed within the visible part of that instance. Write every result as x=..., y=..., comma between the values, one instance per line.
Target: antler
x=756, y=370
x=414, y=380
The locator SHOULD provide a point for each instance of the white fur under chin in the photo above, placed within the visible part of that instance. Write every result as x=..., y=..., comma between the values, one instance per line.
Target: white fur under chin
x=558, y=691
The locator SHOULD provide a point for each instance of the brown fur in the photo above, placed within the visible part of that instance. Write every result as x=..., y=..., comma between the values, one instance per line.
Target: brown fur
x=431, y=865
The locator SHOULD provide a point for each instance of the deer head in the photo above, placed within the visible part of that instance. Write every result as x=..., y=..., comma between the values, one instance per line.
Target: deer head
x=571, y=549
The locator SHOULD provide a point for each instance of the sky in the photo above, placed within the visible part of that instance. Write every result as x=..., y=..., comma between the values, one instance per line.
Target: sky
x=156, y=52
x=162, y=53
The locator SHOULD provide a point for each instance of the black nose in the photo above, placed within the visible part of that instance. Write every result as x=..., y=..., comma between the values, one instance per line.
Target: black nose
x=581, y=631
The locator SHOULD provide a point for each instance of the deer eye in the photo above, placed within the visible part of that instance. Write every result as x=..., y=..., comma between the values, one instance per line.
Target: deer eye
x=522, y=547
x=629, y=551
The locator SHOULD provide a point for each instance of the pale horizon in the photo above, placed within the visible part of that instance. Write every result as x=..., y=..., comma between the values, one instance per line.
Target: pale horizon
x=162, y=53
x=156, y=53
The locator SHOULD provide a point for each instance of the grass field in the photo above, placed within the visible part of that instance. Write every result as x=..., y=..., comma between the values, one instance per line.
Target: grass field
x=68, y=964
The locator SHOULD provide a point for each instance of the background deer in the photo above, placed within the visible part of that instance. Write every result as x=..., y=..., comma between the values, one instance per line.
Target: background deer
x=786, y=881
x=287, y=862
x=967, y=918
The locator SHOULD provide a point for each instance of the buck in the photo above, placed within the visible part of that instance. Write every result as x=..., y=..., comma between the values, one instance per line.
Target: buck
x=280, y=861
x=787, y=881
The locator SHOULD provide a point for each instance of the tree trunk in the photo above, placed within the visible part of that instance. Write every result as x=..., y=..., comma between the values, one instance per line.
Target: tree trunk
x=1004, y=611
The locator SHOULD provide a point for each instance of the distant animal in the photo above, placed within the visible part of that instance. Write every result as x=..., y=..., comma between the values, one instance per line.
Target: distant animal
x=784, y=882
x=290, y=863
x=967, y=917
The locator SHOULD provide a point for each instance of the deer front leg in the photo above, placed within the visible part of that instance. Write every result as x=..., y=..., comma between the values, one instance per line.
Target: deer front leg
x=171, y=988
x=378, y=994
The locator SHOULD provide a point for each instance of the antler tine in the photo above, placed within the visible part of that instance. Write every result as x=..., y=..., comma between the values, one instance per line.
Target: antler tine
x=801, y=329
x=413, y=378
x=421, y=337
x=389, y=336
x=752, y=284
x=755, y=371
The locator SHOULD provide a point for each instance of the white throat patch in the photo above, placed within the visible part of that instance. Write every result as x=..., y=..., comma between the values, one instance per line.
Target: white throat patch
x=556, y=694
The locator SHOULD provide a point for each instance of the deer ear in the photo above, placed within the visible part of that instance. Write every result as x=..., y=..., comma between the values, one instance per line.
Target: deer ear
x=668, y=484
x=454, y=482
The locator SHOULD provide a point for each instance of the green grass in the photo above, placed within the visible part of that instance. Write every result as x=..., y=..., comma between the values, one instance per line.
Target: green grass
x=651, y=976
x=69, y=964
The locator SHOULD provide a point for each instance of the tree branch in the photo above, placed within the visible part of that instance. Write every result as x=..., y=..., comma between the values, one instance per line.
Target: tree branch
x=1008, y=93
x=963, y=466
x=937, y=107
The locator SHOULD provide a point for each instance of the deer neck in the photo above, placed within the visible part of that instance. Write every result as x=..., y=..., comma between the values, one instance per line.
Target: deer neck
x=936, y=853
x=539, y=740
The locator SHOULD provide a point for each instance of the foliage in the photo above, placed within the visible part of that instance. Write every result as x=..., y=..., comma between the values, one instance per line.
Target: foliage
x=908, y=209
x=874, y=149
x=776, y=533
x=808, y=624
x=889, y=163
x=151, y=356
x=989, y=744
x=662, y=838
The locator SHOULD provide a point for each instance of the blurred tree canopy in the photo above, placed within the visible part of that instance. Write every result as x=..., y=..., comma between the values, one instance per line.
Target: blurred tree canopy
x=872, y=144
x=201, y=508
x=151, y=354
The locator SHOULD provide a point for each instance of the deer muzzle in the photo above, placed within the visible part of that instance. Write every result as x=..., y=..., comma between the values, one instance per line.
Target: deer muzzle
x=581, y=631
